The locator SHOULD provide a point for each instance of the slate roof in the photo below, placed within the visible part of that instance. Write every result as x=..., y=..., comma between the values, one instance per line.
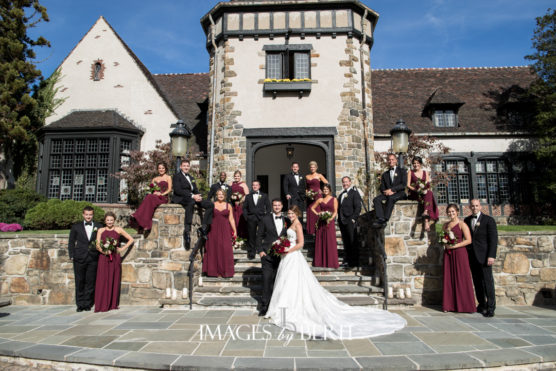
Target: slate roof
x=86, y=120
x=404, y=94
x=188, y=95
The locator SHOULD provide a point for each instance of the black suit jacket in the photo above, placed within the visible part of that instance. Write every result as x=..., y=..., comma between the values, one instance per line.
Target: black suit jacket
x=398, y=185
x=484, y=239
x=297, y=192
x=350, y=208
x=216, y=186
x=267, y=234
x=182, y=189
x=254, y=213
x=78, y=244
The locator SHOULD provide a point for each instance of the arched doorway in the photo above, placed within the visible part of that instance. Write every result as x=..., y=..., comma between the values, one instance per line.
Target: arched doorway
x=272, y=162
x=267, y=154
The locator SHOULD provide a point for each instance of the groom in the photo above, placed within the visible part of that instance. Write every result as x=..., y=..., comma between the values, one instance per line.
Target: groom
x=271, y=228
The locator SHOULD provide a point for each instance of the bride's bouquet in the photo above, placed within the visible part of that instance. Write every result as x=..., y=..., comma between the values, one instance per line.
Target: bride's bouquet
x=279, y=246
x=324, y=217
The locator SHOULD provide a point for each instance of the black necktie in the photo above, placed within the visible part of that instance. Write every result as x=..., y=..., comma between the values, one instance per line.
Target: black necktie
x=88, y=223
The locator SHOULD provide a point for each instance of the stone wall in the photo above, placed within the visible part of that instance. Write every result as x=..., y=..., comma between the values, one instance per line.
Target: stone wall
x=524, y=271
x=36, y=268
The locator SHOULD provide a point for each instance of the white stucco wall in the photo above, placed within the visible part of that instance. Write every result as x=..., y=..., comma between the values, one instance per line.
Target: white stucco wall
x=321, y=107
x=494, y=144
x=124, y=85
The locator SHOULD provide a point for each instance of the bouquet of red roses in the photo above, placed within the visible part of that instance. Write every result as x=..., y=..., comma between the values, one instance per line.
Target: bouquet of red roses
x=279, y=246
x=109, y=244
x=237, y=197
x=323, y=218
x=154, y=187
x=311, y=195
x=447, y=238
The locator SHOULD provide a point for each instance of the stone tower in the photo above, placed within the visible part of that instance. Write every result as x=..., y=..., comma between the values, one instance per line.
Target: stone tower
x=290, y=81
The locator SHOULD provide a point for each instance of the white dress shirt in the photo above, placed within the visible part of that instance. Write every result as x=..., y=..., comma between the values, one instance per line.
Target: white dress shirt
x=88, y=229
x=278, y=223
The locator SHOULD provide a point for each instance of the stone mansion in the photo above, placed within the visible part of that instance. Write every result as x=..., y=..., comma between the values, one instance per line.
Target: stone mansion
x=288, y=81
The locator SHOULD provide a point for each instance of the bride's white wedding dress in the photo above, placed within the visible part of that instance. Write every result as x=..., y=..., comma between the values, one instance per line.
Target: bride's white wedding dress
x=299, y=303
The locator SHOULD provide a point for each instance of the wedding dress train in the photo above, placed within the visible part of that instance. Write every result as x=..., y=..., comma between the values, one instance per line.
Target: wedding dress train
x=299, y=303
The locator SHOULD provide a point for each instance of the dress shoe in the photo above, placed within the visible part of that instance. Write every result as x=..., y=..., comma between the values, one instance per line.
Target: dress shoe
x=489, y=313
x=262, y=312
x=481, y=309
x=79, y=309
x=87, y=309
x=250, y=256
x=379, y=223
x=186, y=239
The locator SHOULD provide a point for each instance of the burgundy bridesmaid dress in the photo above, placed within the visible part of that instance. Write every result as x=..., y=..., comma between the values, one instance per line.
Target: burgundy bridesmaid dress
x=457, y=295
x=109, y=273
x=237, y=208
x=428, y=201
x=326, y=248
x=313, y=185
x=219, y=255
x=144, y=214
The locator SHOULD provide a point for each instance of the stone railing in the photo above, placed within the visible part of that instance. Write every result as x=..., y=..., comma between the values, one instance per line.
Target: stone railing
x=524, y=271
x=36, y=268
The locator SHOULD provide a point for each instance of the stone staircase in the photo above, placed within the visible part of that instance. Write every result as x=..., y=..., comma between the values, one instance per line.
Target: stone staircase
x=353, y=286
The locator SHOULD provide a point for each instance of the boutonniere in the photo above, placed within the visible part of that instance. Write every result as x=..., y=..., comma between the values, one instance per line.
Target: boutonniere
x=95, y=229
x=477, y=224
x=395, y=175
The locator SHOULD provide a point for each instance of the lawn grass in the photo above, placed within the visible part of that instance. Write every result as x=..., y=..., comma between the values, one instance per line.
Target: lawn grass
x=131, y=231
x=516, y=228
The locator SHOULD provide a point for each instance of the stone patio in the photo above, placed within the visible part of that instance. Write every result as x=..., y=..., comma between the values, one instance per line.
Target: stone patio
x=155, y=338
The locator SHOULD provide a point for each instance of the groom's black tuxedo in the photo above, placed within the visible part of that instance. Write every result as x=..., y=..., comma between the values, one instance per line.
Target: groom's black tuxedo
x=295, y=189
x=85, y=262
x=484, y=243
x=218, y=185
x=266, y=235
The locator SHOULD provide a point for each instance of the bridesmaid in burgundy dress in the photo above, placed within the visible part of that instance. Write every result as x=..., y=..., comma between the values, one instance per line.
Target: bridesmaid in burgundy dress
x=143, y=216
x=312, y=181
x=238, y=186
x=417, y=177
x=219, y=257
x=109, y=269
x=326, y=248
x=457, y=295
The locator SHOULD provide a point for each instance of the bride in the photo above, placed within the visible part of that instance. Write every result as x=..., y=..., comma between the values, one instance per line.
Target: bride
x=300, y=304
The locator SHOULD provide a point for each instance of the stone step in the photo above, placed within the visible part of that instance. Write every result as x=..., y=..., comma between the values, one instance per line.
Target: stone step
x=257, y=289
x=241, y=269
x=251, y=279
x=250, y=301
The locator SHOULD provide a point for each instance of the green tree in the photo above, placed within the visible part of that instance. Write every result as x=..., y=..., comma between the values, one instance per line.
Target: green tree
x=543, y=94
x=18, y=73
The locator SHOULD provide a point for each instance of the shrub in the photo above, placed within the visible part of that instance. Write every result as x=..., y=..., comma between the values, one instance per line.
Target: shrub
x=56, y=214
x=14, y=204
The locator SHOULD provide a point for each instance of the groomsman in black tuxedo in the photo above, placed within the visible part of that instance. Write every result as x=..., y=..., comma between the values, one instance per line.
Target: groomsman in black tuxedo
x=294, y=187
x=221, y=184
x=255, y=207
x=271, y=227
x=85, y=259
x=482, y=253
x=348, y=213
x=187, y=194
x=392, y=187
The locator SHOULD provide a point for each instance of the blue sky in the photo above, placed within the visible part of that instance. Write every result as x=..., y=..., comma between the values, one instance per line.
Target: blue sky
x=166, y=34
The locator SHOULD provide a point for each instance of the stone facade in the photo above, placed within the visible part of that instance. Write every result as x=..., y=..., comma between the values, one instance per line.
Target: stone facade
x=36, y=269
x=524, y=270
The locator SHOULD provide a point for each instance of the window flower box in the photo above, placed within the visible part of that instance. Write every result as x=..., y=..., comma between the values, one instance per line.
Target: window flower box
x=277, y=85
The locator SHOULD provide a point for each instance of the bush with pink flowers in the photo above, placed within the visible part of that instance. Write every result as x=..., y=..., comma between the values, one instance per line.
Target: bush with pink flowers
x=14, y=227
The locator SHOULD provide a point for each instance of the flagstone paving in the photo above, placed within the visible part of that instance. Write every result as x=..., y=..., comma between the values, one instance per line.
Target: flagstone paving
x=155, y=338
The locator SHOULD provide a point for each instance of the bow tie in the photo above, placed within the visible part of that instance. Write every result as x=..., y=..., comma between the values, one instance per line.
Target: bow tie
x=88, y=223
x=256, y=193
x=474, y=216
x=277, y=217
x=392, y=168
x=296, y=174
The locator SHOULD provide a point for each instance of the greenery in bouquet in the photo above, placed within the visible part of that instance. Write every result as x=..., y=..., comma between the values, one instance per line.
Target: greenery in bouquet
x=239, y=243
x=323, y=218
x=311, y=195
x=447, y=238
x=154, y=187
x=280, y=246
